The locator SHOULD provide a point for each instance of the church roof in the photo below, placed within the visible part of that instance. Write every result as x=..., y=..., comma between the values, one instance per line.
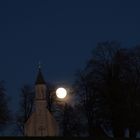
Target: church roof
x=39, y=79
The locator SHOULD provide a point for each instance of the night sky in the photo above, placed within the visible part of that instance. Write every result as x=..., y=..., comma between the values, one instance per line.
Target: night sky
x=60, y=34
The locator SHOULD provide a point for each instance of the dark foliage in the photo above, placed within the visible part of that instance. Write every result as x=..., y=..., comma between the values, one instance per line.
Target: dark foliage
x=109, y=90
x=5, y=114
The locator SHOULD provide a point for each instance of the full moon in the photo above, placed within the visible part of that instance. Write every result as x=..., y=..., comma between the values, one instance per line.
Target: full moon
x=61, y=92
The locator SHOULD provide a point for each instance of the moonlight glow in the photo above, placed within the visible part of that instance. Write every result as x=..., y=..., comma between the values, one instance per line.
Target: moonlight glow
x=61, y=93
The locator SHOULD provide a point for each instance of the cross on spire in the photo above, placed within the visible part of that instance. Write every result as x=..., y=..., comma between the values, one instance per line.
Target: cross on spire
x=40, y=78
x=39, y=65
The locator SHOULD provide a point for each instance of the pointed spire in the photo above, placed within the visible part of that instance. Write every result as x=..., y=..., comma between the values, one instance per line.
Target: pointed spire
x=39, y=65
x=39, y=79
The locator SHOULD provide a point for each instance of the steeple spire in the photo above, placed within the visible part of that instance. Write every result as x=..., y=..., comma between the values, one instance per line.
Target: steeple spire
x=39, y=65
x=39, y=79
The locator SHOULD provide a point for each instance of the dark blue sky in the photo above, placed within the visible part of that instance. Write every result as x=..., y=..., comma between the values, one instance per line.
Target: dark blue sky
x=60, y=34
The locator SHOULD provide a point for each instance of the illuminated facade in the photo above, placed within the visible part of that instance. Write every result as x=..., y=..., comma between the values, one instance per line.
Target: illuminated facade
x=41, y=122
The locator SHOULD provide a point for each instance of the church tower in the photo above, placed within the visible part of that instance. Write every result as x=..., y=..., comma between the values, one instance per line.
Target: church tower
x=40, y=93
x=41, y=122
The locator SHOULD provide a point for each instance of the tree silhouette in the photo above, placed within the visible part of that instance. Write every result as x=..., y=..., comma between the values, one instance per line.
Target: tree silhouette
x=5, y=113
x=51, y=97
x=70, y=121
x=26, y=104
x=133, y=90
x=101, y=88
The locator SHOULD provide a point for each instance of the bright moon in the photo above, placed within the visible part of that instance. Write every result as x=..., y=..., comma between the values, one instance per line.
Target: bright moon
x=61, y=93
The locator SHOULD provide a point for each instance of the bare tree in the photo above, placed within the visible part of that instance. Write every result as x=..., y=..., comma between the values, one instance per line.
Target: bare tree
x=51, y=97
x=5, y=113
x=132, y=83
x=26, y=106
x=100, y=86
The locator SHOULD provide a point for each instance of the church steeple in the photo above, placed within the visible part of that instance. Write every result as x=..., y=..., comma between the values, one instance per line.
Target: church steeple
x=41, y=122
x=39, y=79
x=40, y=87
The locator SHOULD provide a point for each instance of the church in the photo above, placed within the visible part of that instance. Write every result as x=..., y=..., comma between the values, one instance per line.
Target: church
x=41, y=122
